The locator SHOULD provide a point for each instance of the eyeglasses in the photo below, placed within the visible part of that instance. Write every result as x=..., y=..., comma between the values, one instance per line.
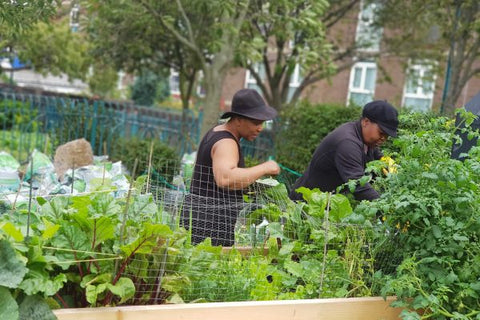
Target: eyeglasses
x=383, y=135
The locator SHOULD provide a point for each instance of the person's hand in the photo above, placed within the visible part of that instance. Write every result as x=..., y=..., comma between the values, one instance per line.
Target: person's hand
x=271, y=168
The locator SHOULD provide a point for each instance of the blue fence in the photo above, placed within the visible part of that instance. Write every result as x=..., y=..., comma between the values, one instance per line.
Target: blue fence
x=29, y=121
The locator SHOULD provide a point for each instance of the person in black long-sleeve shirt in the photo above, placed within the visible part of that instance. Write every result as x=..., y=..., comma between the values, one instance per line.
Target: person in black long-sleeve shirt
x=343, y=154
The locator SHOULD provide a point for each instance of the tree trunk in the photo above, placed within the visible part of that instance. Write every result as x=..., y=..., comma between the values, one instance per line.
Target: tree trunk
x=215, y=73
x=211, y=104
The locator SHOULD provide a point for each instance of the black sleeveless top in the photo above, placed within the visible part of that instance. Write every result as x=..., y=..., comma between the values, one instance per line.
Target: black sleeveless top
x=203, y=182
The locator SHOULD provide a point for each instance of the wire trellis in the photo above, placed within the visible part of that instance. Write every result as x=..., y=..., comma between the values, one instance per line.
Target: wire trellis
x=250, y=244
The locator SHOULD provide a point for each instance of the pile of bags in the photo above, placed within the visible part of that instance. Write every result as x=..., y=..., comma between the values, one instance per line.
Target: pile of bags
x=9, y=175
x=44, y=178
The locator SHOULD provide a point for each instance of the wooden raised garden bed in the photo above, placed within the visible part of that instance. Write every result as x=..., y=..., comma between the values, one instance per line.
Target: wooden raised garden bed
x=370, y=308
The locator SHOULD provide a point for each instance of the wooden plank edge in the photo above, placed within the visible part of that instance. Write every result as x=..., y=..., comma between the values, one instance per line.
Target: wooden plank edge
x=368, y=308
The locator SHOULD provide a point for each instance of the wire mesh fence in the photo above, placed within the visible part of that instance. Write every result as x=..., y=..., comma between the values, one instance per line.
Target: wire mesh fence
x=288, y=248
x=175, y=239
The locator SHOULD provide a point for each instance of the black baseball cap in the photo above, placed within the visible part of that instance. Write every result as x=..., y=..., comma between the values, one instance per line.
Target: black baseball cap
x=249, y=103
x=384, y=114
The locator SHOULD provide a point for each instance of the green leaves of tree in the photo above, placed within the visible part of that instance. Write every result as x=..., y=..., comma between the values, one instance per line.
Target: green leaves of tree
x=20, y=15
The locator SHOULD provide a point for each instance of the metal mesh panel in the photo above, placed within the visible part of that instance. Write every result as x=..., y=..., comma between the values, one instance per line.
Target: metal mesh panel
x=271, y=248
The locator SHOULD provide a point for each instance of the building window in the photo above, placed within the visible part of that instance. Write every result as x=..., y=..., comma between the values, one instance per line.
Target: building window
x=295, y=82
x=368, y=35
x=74, y=18
x=200, y=87
x=174, y=82
x=362, y=83
x=250, y=81
x=419, y=87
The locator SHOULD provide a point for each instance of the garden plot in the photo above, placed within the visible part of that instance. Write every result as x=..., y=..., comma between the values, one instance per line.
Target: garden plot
x=95, y=249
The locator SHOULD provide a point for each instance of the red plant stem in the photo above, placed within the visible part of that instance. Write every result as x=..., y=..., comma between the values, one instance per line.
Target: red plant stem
x=93, y=242
x=108, y=297
x=59, y=297
x=79, y=265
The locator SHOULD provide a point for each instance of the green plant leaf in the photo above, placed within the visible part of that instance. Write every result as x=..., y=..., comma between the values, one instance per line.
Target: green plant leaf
x=8, y=305
x=339, y=207
x=104, y=229
x=71, y=237
x=124, y=288
x=145, y=241
x=12, y=269
x=316, y=199
x=96, y=279
x=92, y=292
x=81, y=203
x=41, y=201
x=42, y=282
x=50, y=229
x=35, y=308
x=294, y=268
x=10, y=229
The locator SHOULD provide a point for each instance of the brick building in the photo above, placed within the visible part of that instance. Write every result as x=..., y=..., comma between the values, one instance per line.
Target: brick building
x=415, y=86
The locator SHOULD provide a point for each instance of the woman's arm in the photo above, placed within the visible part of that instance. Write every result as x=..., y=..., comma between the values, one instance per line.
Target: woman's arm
x=226, y=172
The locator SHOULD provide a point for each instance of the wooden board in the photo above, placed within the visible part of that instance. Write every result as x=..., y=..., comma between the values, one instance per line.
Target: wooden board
x=371, y=308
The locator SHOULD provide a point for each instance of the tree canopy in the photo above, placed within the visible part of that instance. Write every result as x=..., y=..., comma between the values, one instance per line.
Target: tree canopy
x=17, y=17
x=187, y=36
x=53, y=48
x=272, y=39
x=280, y=36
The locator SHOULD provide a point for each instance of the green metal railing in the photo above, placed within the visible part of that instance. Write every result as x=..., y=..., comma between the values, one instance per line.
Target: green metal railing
x=43, y=122
x=31, y=121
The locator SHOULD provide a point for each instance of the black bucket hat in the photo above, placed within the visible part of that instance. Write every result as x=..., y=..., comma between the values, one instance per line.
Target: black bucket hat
x=383, y=114
x=249, y=103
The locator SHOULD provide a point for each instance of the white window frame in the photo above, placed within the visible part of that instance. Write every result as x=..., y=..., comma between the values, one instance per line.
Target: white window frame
x=361, y=89
x=174, y=82
x=419, y=93
x=74, y=18
x=366, y=32
x=295, y=81
x=200, y=87
x=250, y=81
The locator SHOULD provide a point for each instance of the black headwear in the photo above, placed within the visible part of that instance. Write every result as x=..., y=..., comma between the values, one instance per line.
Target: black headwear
x=383, y=114
x=249, y=103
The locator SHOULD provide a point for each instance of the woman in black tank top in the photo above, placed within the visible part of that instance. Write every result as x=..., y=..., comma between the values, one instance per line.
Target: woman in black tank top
x=219, y=177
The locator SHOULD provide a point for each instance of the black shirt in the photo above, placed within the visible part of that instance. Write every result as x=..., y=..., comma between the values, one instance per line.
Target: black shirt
x=203, y=182
x=340, y=157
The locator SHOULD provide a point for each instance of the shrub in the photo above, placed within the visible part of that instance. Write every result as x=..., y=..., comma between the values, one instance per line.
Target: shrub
x=164, y=158
x=17, y=114
x=304, y=126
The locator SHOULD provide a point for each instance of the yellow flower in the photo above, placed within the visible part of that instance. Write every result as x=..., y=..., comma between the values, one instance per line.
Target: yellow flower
x=450, y=124
x=390, y=165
